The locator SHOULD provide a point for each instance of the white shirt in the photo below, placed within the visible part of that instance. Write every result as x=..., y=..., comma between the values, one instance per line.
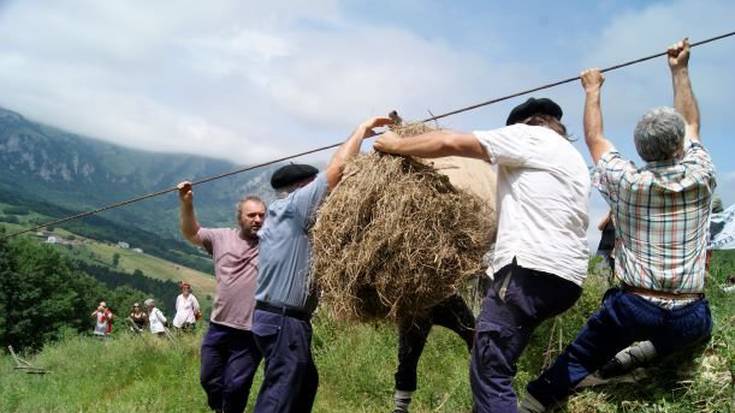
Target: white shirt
x=186, y=308
x=100, y=327
x=543, y=190
x=156, y=320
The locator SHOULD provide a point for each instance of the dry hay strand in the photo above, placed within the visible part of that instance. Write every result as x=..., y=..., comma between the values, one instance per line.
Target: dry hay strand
x=395, y=238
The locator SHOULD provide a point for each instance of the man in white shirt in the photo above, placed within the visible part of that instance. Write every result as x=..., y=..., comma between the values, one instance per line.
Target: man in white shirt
x=541, y=252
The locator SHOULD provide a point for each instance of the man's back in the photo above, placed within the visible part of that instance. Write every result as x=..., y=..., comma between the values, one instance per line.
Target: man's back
x=543, y=190
x=283, y=273
x=661, y=217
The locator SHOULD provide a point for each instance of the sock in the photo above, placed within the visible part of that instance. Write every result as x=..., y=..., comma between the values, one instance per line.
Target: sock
x=628, y=359
x=402, y=399
x=636, y=354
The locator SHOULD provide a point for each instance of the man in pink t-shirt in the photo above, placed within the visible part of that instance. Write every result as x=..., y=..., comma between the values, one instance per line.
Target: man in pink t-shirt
x=229, y=354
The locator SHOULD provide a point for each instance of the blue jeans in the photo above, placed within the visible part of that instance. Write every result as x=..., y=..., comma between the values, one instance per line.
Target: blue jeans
x=229, y=361
x=516, y=303
x=623, y=319
x=290, y=380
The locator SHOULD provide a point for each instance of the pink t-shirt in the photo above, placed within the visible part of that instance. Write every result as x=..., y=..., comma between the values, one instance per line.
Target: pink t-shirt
x=236, y=269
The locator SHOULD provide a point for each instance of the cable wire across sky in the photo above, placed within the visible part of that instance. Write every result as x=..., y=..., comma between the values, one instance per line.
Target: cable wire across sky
x=324, y=148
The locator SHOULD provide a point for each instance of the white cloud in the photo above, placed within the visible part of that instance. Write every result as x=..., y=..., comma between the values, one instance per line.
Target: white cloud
x=236, y=80
x=629, y=92
x=249, y=80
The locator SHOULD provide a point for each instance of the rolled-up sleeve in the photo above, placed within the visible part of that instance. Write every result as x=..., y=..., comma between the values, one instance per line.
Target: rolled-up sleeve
x=508, y=146
x=699, y=164
x=307, y=200
x=609, y=173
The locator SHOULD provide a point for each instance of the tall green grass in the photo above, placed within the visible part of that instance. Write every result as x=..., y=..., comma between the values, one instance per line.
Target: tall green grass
x=356, y=363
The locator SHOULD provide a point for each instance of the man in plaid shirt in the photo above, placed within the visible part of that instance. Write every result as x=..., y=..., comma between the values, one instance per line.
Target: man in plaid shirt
x=661, y=214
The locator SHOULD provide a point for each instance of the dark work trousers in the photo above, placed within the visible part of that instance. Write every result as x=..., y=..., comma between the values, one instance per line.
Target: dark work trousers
x=516, y=303
x=606, y=248
x=623, y=319
x=451, y=313
x=291, y=379
x=229, y=361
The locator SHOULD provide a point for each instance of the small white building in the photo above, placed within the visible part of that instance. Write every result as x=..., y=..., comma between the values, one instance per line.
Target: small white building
x=138, y=250
x=124, y=245
x=52, y=240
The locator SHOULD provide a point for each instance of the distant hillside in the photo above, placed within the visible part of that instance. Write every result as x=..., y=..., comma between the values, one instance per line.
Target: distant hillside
x=45, y=164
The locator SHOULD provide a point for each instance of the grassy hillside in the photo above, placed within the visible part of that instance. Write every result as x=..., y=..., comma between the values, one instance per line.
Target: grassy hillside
x=98, y=228
x=356, y=364
x=102, y=253
x=130, y=261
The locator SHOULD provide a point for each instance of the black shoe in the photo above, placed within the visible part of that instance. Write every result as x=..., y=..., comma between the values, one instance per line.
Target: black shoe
x=611, y=369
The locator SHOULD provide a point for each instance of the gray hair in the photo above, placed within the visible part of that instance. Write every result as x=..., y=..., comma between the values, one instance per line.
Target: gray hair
x=659, y=135
x=285, y=191
x=149, y=302
x=243, y=200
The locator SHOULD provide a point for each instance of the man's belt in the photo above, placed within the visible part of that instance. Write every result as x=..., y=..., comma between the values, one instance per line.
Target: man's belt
x=276, y=309
x=666, y=295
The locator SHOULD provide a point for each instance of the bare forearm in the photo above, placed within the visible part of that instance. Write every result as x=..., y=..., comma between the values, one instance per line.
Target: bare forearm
x=428, y=145
x=684, y=101
x=592, y=118
x=349, y=148
x=346, y=151
x=437, y=144
x=189, y=224
x=593, y=131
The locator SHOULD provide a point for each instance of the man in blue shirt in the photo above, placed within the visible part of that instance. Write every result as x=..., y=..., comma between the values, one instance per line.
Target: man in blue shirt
x=285, y=295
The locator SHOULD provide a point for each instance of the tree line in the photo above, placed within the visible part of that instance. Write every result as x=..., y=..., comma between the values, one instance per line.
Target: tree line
x=43, y=293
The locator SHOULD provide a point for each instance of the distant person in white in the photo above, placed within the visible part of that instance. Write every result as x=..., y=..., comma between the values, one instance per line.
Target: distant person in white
x=187, y=308
x=156, y=320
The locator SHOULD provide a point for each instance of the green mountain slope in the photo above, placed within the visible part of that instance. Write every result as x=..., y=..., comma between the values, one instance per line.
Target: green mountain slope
x=44, y=164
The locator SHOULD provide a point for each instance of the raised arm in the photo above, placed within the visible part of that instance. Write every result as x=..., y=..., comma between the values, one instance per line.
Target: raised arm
x=351, y=147
x=684, y=101
x=592, y=80
x=189, y=225
x=432, y=144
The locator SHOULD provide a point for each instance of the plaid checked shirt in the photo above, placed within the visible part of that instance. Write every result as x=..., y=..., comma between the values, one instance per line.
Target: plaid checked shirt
x=661, y=214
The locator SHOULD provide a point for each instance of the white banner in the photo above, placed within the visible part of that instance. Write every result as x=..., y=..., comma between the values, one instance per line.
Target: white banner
x=722, y=230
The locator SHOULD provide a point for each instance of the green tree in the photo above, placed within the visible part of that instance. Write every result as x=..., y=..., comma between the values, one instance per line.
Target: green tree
x=115, y=260
x=42, y=293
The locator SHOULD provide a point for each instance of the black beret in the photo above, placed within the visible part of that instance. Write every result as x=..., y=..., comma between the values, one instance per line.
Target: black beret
x=532, y=107
x=292, y=173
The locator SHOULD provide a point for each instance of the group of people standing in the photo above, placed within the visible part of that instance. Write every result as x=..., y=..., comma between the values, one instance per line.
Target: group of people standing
x=660, y=211
x=188, y=313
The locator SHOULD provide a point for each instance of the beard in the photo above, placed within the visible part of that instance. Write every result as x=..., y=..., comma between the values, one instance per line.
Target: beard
x=250, y=231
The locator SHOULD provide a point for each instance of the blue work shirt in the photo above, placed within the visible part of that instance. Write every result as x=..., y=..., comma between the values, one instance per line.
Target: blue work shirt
x=285, y=249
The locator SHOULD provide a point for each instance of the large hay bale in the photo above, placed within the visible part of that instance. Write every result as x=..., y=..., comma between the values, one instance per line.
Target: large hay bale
x=472, y=175
x=395, y=238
